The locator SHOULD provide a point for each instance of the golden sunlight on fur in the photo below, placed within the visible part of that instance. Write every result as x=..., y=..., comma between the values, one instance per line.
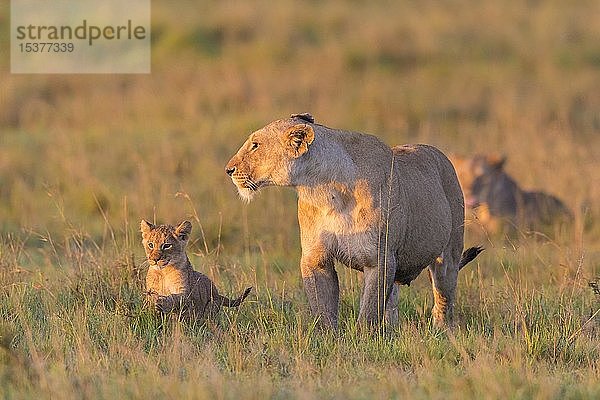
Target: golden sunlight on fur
x=389, y=212
x=172, y=285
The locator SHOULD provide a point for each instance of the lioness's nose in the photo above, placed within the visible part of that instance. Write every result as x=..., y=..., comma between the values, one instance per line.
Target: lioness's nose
x=229, y=170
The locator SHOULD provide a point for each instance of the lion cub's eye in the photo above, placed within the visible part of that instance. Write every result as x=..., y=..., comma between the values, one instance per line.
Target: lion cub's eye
x=254, y=146
x=166, y=246
x=150, y=245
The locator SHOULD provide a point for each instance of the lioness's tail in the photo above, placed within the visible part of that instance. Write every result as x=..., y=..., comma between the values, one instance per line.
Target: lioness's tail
x=469, y=255
x=234, y=303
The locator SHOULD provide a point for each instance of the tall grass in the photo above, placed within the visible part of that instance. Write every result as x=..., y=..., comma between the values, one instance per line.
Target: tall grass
x=82, y=329
x=84, y=158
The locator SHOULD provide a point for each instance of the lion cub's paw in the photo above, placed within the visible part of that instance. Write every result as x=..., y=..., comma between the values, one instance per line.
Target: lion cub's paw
x=163, y=304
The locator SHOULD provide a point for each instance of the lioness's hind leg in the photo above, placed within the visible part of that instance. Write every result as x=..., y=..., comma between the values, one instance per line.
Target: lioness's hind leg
x=444, y=276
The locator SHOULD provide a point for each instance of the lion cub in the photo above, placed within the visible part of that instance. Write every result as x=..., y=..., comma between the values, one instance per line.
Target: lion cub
x=172, y=284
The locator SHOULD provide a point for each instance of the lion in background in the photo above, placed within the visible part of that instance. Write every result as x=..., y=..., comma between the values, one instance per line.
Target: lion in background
x=497, y=200
x=389, y=212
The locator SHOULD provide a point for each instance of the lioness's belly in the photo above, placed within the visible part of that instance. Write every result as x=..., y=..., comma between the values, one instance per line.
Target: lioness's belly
x=357, y=251
x=411, y=250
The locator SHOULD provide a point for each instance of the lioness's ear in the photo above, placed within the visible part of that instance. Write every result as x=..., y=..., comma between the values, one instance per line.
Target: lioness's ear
x=299, y=137
x=183, y=230
x=304, y=116
x=496, y=161
x=146, y=227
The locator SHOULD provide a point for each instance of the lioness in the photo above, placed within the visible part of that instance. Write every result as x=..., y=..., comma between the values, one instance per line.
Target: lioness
x=496, y=197
x=389, y=212
x=172, y=285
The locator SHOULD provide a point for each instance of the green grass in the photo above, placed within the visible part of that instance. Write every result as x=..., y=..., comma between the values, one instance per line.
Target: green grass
x=84, y=158
x=76, y=325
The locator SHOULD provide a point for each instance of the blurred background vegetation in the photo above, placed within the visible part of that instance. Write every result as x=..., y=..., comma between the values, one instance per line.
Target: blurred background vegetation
x=84, y=157
x=520, y=79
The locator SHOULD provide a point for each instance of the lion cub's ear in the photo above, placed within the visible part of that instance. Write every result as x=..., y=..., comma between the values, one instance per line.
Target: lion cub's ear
x=299, y=137
x=146, y=227
x=183, y=230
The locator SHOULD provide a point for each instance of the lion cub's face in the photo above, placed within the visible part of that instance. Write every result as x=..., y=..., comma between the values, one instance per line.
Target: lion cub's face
x=267, y=157
x=165, y=244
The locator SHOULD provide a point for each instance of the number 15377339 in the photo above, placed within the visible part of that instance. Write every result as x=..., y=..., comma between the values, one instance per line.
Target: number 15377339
x=46, y=47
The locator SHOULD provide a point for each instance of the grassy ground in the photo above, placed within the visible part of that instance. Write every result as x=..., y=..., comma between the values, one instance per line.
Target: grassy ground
x=84, y=158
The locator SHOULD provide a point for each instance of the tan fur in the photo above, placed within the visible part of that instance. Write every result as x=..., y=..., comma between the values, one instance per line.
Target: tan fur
x=387, y=212
x=498, y=202
x=172, y=285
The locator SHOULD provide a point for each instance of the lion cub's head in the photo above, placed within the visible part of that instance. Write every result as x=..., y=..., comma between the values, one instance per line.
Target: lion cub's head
x=269, y=154
x=165, y=244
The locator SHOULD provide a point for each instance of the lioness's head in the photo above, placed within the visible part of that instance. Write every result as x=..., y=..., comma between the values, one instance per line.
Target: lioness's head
x=472, y=171
x=165, y=244
x=268, y=156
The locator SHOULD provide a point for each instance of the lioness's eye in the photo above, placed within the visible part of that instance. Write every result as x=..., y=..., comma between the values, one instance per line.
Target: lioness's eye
x=166, y=246
x=254, y=146
x=150, y=245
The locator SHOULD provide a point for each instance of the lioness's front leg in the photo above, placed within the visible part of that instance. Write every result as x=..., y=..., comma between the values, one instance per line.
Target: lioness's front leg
x=321, y=286
x=378, y=285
